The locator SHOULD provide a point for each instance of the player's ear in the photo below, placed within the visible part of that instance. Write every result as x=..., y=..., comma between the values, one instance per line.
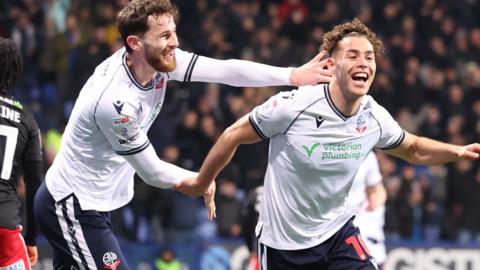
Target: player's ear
x=134, y=42
x=330, y=62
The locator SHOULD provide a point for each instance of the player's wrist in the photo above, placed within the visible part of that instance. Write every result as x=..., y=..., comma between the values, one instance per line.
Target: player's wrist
x=293, y=79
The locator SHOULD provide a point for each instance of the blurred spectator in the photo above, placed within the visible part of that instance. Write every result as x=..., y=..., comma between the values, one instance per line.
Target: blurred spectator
x=167, y=261
x=463, y=202
x=228, y=207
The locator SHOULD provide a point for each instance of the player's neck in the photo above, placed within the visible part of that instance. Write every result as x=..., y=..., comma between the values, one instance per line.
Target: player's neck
x=140, y=69
x=347, y=105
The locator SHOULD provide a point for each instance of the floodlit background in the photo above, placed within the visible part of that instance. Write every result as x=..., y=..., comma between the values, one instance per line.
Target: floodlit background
x=429, y=80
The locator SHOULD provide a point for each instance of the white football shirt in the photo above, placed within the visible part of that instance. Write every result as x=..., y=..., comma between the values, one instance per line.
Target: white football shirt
x=111, y=118
x=315, y=152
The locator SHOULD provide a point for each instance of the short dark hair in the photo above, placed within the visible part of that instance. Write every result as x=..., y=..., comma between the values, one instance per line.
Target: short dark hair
x=11, y=65
x=133, y=18
x=353, y=28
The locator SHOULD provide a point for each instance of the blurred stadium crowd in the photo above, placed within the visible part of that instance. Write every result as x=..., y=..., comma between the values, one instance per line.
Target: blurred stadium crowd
x=429, y=80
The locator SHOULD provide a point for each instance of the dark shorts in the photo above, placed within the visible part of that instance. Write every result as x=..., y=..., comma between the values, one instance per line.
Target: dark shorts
x=80, y=239
x=345, y=250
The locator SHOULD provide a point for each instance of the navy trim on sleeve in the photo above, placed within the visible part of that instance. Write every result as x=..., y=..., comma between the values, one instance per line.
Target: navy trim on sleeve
x=135, y=150
x=397, y=143
x=256, y=128
x=188, y=73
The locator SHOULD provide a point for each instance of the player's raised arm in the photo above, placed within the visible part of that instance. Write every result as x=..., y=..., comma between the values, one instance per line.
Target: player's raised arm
x=421, y=150
x=242, y=73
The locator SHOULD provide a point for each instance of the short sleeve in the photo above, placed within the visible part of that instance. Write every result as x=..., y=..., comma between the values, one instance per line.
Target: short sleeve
x=273, y=116
x=392, y=134
x=185, y=64
x=119, y=122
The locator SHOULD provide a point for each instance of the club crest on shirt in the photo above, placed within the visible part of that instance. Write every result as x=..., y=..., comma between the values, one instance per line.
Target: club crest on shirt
x=361, y=124
x=159, y=82
x=110, y=260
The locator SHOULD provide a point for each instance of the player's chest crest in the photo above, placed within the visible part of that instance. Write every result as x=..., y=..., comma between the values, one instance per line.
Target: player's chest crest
x=360, y=124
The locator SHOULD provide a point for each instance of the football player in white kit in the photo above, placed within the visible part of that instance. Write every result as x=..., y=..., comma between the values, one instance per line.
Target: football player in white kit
x=105, y=141
x=319, y=137
x=367, y=199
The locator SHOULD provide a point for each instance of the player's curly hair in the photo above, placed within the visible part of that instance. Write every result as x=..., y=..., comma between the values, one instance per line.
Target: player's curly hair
x=353, y=28
x=133, y=18
x=11, y=65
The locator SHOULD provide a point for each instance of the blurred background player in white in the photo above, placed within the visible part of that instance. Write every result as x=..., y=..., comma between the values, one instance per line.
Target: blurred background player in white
x=367, y=199
x=105, y=141
x=21, y=154
x=319, y=137
x=250, y=214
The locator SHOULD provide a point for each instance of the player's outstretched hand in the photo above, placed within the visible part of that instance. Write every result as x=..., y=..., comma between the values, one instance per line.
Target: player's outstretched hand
x=471, y=151
x=209, y=199
x=314, y=72
x=32, y=254
x=189, y=186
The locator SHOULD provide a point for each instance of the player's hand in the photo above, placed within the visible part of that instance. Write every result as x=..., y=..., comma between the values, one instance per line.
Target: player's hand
x=32, y=254
x=314, y=72
x=209, y=199
x=471, y=151
x=190, y=186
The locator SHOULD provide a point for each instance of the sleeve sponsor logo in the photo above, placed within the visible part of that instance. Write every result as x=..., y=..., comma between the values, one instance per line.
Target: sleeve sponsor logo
x=129, y=140
x=125, y=127
x=288, y=95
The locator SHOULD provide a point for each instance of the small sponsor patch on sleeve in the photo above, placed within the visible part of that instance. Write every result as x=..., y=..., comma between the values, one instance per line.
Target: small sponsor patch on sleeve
x=129, y=140
x=126, y=128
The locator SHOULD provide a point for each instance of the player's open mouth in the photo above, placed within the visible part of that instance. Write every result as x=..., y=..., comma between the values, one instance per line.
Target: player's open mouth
x=360, y=78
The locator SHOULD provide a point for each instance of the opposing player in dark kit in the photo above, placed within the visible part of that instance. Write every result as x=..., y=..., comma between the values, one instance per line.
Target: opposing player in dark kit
x=20, y=153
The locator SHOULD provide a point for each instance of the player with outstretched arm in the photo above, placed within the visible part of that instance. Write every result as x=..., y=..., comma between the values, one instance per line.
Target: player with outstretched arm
x=105, y=141
x=319, y=137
